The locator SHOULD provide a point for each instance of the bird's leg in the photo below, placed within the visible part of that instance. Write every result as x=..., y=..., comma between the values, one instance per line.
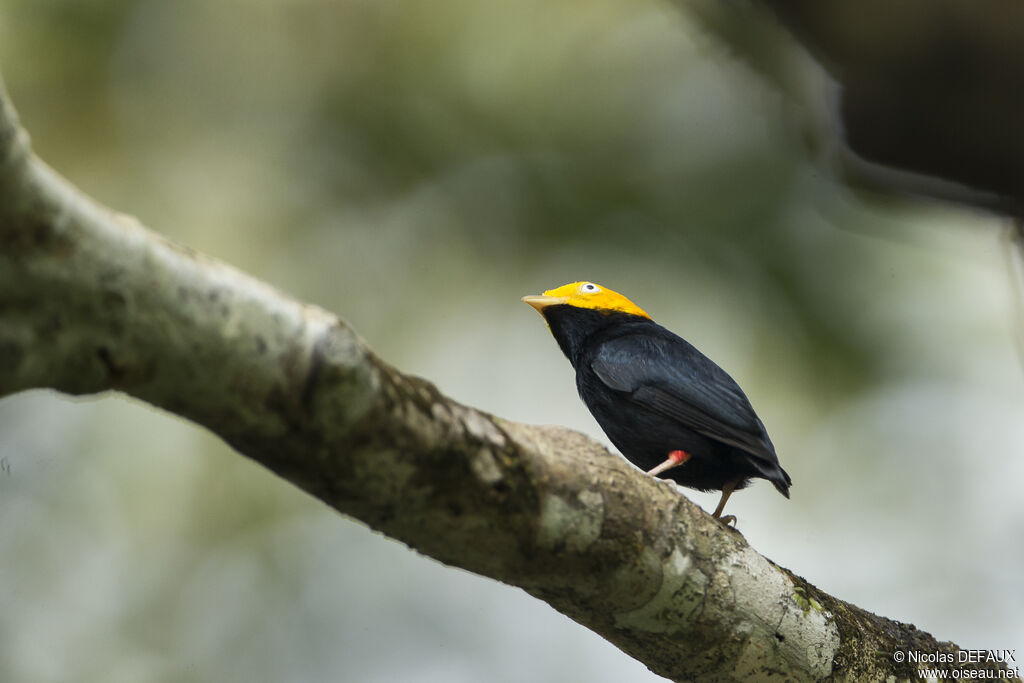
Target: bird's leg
x=675, y=458
x=727, y=490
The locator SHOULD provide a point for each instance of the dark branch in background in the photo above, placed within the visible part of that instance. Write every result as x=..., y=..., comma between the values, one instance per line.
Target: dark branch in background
x=921, y=98
x=930, y=88
x=91, y=301
x=918, y=98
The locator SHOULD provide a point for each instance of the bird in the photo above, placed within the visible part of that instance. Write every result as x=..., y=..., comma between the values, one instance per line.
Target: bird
x=668, y=408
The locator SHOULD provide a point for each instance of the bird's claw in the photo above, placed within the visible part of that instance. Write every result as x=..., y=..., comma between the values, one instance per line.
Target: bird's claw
x=729, y=521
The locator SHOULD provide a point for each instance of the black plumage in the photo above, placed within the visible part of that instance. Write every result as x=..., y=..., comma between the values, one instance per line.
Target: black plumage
x=654, y=393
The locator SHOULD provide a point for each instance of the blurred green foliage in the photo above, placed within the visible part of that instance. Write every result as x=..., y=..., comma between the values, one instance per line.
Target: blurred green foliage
x=416, y=167
x=533, y=126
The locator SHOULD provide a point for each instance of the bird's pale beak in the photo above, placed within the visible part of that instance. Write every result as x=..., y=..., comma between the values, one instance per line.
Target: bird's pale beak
x=540, y=301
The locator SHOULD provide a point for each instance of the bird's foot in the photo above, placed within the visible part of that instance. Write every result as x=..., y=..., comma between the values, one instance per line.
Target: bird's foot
x=729, y=521
x=675, y=458
x=727, y=490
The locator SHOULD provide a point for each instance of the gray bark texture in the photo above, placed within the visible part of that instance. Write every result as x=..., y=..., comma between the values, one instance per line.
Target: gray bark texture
x=91, y=301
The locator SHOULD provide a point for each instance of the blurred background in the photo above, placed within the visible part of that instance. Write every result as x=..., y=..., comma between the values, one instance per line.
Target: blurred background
x=416, y=168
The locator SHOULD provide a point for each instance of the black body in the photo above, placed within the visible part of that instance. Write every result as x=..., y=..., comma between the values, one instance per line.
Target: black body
x=652, y=393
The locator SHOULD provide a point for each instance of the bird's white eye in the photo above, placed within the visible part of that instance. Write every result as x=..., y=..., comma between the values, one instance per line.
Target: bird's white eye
x=589, y=288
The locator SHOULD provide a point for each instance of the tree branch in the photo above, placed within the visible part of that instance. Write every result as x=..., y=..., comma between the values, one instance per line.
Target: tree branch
x=91, y=301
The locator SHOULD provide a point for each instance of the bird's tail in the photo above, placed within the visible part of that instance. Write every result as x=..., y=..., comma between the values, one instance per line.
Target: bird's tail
x=773, y=472
x=781, y=480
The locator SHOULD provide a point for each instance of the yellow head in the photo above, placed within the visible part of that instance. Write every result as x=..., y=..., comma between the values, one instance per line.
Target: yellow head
x=585, y=295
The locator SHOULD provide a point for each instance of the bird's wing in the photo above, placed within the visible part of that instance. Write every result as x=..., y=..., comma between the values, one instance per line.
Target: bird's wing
x=674, y=379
